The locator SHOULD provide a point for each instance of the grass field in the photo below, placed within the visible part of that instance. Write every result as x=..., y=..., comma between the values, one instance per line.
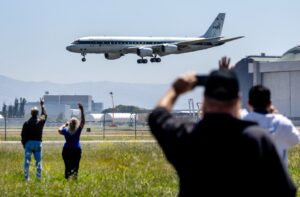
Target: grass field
x=106, y=169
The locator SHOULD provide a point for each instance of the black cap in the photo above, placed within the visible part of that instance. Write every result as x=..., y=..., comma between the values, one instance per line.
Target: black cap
x=222, y=85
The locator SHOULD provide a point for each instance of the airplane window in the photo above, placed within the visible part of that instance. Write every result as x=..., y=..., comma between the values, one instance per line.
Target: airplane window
x=75, y=42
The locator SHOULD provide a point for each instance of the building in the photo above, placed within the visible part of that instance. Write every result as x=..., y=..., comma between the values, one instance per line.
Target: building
x=72, y=100
x=245, y=77
x=62, y=107
x=54, y=111
x=279, y=73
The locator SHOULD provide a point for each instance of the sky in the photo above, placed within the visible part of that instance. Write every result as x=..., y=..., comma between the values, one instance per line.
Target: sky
x=34, y=35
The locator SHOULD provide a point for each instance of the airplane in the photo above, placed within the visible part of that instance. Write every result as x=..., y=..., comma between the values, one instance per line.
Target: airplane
x=153, y=47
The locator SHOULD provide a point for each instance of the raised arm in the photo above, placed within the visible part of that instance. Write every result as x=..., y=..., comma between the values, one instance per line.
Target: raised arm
x=181, y=85
x=60, y=130
x=82, y=121
x=44, y=113
x=224, y=63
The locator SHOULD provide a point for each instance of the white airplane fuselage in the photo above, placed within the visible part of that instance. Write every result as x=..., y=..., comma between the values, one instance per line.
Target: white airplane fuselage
x=154, y=47
x=118, y=44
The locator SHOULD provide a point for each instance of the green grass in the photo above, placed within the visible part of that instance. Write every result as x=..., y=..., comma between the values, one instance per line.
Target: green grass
x=106, y=169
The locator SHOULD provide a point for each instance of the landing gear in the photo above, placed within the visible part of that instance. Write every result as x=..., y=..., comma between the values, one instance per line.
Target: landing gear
x=154, y=59
x=142, y=61
x=83, y=59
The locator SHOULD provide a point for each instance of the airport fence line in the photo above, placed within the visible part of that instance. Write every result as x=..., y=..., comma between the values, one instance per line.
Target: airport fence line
x=134, y=126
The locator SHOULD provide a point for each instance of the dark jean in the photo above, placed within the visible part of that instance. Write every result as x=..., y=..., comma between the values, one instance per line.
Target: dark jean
x=71, y=158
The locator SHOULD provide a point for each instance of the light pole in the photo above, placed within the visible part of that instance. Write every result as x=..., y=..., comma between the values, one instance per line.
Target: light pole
x=113, y=108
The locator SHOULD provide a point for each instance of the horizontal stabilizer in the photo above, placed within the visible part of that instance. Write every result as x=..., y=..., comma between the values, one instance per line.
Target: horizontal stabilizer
x=231, y=39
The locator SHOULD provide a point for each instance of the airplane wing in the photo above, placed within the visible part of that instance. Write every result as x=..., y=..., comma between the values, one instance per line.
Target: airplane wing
x=183, y=44
x=157, y=48
x=198, y=41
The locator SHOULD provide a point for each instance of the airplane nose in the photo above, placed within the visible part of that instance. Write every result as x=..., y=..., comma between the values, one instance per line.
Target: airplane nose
x=69, y=48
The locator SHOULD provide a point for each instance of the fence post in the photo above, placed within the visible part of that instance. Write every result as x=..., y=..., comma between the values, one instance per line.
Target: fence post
x=135, y=126
x=104, y=126
x=4, y=127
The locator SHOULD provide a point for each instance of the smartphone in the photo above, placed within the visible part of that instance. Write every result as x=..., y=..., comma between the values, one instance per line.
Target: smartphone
x=201, y=80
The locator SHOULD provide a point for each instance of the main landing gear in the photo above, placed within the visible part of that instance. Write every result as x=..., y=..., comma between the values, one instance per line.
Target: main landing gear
x=142, y=61
x=154, y=59
x=145, y=61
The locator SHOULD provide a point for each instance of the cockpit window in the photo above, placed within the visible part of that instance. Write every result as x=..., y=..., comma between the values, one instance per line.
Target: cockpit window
x=75, y=42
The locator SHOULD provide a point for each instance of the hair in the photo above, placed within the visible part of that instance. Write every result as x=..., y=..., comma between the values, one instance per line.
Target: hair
x=34, y=111
x=260, y=97
x=73, y=125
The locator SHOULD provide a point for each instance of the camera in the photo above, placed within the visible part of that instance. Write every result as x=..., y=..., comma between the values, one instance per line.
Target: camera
x=201, y=80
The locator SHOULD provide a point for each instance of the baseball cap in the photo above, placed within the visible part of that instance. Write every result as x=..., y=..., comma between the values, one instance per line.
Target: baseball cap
x=222, y=85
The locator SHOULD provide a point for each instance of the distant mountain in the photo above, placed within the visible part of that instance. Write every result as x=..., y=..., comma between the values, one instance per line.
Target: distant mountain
x=141, y=95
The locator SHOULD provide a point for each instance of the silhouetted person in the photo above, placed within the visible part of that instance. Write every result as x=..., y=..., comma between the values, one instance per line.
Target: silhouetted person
x=220, y=155
x=282, y=130
x=72, y=149
x=32, y=133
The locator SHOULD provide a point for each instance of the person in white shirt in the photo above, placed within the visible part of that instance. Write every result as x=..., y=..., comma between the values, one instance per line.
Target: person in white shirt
x=281, y=129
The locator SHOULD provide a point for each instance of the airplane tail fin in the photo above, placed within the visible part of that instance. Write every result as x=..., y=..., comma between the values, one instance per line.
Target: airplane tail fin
x=215, y=28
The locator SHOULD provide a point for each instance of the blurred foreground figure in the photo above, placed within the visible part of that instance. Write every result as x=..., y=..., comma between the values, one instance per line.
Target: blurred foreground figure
x=282, y=130
x=72, y=149
x=32, y=133
x=220, y=155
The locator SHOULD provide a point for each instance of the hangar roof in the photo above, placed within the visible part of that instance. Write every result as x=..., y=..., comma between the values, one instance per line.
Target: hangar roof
x=291, y=55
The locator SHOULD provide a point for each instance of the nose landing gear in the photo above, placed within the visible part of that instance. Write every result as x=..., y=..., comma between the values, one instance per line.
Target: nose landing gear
x=83, y=53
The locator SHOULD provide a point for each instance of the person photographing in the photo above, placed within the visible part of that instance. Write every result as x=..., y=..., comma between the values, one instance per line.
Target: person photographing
x=71, y=153
x=220, y=155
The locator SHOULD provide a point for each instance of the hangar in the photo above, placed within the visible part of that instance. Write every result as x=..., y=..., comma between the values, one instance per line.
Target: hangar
x=279, y=73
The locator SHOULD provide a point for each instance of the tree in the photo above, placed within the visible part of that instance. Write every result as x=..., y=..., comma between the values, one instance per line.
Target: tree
x=4, y=109
x=22, y=107
x=10, y=111
x=126, y=109
x=16, y=108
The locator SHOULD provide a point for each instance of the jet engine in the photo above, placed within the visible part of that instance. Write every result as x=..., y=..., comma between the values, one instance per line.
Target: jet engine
x=143, y=52
x=169, y=48
x=112, y=56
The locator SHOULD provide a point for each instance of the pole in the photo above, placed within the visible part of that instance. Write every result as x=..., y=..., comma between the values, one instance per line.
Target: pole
x=113, y=108
x=135, y=126
x=104, y=126
x=5, y=127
